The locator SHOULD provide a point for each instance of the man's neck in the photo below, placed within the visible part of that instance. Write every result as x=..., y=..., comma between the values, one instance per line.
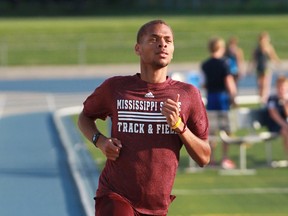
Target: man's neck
x=217, y=55
x=154, y=76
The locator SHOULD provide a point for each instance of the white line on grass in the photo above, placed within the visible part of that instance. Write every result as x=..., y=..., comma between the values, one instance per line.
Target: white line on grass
x=232, y=191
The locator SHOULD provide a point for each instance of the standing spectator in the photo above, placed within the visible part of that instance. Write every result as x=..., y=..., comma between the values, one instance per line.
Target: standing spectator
x=152, y=117
x=278, y=110
x=235, y=58
x=263, y=53
x=221, y=90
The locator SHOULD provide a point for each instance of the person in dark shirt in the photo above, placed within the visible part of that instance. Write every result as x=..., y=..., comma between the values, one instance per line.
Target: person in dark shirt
x=220, y=91
x=277, y=106
x=152, y=117
x=263, y=54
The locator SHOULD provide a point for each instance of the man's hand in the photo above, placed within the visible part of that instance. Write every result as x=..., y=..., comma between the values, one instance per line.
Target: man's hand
x=110, y=147
x=170, y=110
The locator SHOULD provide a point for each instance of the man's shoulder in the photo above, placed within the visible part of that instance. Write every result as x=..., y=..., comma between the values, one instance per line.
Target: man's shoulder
x=186, y=87
x=206, y=61
x=212, y=61
x=273, y=98
x=120, y=79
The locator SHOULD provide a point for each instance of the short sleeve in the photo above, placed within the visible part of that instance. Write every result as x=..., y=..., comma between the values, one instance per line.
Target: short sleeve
x=97, y=104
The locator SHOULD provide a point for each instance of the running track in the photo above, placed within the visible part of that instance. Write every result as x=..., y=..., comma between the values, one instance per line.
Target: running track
x=35, y=177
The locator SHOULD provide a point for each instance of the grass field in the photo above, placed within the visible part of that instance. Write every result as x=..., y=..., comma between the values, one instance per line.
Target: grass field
x=207, y=193
x=103, y=40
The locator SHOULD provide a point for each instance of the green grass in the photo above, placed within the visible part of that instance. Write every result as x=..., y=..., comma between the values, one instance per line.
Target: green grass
x=207, y=193
x=103, y=40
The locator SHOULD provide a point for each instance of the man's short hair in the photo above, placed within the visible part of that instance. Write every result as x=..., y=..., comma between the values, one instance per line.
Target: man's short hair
x=215, y=44
x=281, y=79
x=144, y=28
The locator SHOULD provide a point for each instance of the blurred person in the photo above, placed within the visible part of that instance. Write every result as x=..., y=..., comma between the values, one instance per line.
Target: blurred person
x=235, y=58
x=263, y=53
x=152, y=118
x=221, y=91
x=277, y=106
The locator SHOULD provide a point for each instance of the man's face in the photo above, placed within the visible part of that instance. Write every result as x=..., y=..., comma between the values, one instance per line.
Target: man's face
x=156, y=46
x=283, y=90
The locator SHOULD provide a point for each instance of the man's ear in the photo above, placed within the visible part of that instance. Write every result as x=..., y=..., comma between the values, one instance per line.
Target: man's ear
x=137, y=49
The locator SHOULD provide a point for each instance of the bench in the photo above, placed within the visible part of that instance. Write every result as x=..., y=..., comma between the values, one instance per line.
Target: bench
x=237, y=119
x=251, y=120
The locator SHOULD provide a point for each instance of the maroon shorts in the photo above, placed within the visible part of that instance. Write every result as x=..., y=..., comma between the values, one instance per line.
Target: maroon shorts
x=114, y=205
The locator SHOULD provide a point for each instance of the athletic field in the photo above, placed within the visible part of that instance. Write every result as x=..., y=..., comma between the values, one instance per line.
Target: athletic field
x=110, y=40
x=98, y=40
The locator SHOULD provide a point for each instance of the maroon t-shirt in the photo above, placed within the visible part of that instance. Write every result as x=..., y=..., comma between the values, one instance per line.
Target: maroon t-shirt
x=145, y=171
